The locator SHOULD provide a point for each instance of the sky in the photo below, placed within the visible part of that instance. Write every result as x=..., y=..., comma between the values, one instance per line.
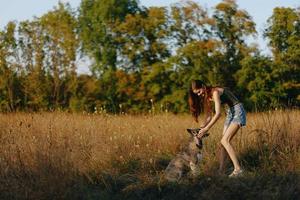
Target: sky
x=260, y=10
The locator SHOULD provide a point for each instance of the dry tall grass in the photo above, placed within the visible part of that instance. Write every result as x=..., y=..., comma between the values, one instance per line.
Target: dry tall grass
x=55, y=155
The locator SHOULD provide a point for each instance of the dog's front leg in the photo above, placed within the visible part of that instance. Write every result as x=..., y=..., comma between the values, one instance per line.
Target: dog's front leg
x=194, y=169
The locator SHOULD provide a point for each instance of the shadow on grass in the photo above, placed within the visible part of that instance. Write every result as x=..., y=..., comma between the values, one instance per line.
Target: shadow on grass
x=128, y=186
x=51, y=182
x=251, y=159
x=248, y=187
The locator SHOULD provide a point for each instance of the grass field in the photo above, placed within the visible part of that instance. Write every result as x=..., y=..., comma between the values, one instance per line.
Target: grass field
x=81, y=156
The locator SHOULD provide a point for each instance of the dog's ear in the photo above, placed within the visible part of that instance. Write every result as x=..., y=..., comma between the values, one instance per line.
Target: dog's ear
x=193, y=131
x=190, y=131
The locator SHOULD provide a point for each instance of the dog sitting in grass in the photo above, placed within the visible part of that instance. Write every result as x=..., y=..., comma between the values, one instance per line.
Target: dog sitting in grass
x=187, y=160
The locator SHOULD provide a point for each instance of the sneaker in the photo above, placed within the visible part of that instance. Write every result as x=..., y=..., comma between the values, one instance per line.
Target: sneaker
x=236, y=173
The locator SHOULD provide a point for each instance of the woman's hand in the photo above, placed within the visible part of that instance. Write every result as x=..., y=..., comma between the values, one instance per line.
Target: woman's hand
x=202, y=132
x=202, y=126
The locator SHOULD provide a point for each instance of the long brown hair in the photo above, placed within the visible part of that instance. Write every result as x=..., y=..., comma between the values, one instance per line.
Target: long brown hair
x=197, y=103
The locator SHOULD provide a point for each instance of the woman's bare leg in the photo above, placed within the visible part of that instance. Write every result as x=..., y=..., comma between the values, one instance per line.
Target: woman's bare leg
x=225, y=141
x=222, y=159
x=222, y=155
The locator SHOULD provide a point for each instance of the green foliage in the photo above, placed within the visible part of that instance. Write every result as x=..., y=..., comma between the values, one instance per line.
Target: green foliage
x=31, y=43
x=284, y=35
x=143, y=59
x=255, y=81
x=231, y=27
x=96, y=23
x=9, y=83
x=96, y=20
x=61, y=44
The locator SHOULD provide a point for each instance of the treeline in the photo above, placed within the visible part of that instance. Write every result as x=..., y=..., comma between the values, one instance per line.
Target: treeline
x=142, y=59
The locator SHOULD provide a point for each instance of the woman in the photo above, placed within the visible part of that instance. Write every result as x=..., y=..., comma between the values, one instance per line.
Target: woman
x=200, y=97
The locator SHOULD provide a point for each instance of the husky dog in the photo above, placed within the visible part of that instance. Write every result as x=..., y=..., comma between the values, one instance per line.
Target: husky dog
x=186, y=160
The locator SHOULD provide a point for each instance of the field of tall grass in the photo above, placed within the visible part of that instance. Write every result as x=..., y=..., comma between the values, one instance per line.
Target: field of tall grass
x=98, y=156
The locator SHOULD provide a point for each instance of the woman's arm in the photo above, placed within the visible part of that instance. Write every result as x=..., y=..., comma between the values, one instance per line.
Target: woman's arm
x=217, y=101
x=207, y=120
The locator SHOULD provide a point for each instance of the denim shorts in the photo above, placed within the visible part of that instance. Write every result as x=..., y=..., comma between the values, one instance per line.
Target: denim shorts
x=236, y=114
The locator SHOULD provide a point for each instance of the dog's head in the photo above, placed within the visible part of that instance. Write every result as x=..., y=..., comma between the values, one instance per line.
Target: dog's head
x=198, y=141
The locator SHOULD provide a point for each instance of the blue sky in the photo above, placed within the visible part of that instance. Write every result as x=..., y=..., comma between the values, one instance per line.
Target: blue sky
x=260, y=10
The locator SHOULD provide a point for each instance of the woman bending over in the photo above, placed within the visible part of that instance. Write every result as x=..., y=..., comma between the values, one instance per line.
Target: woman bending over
x=200, y=98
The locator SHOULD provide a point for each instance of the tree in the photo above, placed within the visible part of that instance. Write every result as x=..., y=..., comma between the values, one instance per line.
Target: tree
x=61, y=43
x=283, y=32
x=189, y=22
x=231, y=27
x=256, y=83
x=31, y=44
x=97, y=20
x=9, y=82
